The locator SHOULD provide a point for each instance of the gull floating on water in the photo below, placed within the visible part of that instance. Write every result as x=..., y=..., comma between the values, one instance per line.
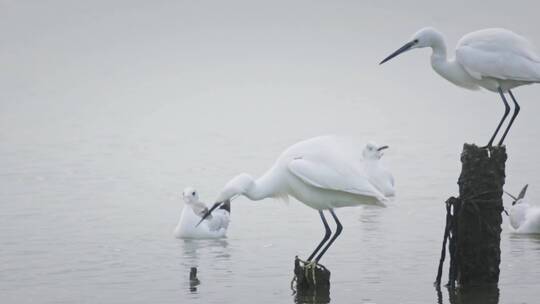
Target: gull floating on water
x=524, y=217
x=495, y=59
x=324, y=173
x=214, y=226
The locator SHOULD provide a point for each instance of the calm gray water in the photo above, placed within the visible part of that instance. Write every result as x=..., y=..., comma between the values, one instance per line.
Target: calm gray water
x=109, y=110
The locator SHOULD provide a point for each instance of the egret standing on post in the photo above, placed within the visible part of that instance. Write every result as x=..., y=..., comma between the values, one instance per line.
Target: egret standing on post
x=494, y=59
x=324, y=173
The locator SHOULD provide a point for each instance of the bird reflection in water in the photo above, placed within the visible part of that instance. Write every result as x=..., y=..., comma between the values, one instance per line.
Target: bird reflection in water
x=208, y=249
x=215, y=248
x=193, y=280
x=476, y=295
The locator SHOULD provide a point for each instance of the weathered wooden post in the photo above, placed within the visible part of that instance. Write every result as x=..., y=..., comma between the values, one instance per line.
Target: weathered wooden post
x=488, y=294
x=312, y=281
x=475, y=218
x=479, y=223
x=193, y=280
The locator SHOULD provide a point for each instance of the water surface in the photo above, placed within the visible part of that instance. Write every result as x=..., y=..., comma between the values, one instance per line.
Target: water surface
x=107, y=111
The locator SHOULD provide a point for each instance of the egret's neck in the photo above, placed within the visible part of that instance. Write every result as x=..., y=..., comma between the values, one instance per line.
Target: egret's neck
x=438, y=47
x=451, y=70
x=263, y=187
x=439, y=61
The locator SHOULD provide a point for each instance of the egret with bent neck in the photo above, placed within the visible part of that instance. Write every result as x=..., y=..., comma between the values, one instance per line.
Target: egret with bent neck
x=324, y=173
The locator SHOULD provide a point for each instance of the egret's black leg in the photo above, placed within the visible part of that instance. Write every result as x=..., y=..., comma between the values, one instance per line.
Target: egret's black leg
x=506, y=111
x=325, y=238
x=516, y=112
x=339, y=228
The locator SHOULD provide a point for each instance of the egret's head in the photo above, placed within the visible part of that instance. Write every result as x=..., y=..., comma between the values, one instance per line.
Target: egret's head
x=239, y=185
x=426, y=37
x=190, y=195
x=373, y=151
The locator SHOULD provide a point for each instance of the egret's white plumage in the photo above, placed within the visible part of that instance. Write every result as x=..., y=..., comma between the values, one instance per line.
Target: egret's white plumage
x=214, y=226
x=501, y=55
x=495, y=59
x=324, y=173
x=524, y=217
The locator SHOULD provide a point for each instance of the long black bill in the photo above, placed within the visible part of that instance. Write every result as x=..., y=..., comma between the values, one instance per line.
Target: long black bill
x=382, y=148
x=216, y=205
x=402, y=49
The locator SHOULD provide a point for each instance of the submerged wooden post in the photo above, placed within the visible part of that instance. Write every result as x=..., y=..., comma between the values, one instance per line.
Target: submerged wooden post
x=312, y=281
x=193, y=280
x=473, y=220
x=478, y=252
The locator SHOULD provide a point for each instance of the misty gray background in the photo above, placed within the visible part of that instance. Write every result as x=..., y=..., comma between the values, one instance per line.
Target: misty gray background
x=108, y=109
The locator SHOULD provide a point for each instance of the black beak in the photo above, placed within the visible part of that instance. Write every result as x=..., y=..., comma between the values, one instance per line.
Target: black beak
x=402, y=49
x=382, y=148
x=216, y=205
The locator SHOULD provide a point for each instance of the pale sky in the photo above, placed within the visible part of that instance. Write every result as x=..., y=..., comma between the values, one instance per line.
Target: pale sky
x=69, y=68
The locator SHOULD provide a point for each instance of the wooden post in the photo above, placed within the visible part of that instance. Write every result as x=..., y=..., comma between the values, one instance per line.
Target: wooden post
x=193, y=280
x=480, y=294
x=312, y=281
x=481, y=182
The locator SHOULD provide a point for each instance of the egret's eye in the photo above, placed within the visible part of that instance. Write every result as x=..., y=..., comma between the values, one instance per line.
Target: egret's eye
x=415, y=40
x=193, y=193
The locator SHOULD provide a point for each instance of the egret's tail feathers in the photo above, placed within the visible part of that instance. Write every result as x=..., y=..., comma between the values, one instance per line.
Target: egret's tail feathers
x=282, y=197
x=382, y=201
x=379, y=201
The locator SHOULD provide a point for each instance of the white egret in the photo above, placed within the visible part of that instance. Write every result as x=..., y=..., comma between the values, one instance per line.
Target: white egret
x=494, y=59
x=214, y=226
x=524, y=217
x=324, y=173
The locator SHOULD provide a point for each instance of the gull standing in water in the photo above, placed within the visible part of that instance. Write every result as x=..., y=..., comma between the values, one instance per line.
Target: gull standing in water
x=214, y=226
x=524, y=217
x=495, y=59
x=324, y=173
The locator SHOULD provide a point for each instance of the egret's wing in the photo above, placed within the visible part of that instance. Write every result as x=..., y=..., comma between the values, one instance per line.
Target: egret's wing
x=498, y=53
x=349, y=179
